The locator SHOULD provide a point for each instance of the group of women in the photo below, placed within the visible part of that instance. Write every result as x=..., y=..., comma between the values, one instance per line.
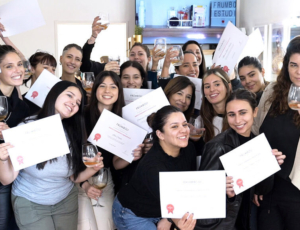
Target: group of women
x=58, y=194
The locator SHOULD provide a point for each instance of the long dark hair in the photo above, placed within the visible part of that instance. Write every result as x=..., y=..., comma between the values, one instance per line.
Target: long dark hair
x=73, y=126
x=139, y=67
x=207, y=111
x=202, y=66
x=175, y=85
x=92, y=109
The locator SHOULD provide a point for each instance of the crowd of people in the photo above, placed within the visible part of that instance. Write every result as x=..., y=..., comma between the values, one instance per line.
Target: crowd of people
x=58, y=194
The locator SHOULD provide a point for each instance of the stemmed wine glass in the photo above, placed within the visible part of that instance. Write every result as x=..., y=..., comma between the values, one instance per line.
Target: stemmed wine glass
x=177, y=61
x=196, y=129
x=104, y=20
x=3, y=108
x=115, y=58
x=88, y=79
x=27, y=67
x=294, y=97
x=89, y=153
x=161, y=45
x=100, y=180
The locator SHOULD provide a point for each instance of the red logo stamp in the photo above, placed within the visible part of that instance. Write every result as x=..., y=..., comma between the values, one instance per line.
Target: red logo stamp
x=97, y=136
x=34, y=94
x=170, y=208
x=20, y=160
x=225, y=68
x=239, y=182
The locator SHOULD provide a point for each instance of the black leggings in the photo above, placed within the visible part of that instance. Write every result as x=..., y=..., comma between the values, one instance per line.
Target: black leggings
x=6, y=212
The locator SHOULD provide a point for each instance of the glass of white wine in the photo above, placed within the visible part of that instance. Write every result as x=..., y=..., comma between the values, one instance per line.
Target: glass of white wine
x=88, y=79
x=100, y=180
x=115, y=58
x=27, y=68
x=89, y=155
x=177, y=61
x=160, y=44
x=104, y=20
x=196, y=129
x=3, y=108
x=294, y=97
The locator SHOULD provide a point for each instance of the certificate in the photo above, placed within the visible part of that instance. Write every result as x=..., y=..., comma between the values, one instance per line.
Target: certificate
x=36, y=142
x=137, y=112
x=250, y=163
x=230, y=48
x=201, y=192
x=41, y=87
x=198, y=90
x=19, y=16
x=131, y=95
x=116, y=135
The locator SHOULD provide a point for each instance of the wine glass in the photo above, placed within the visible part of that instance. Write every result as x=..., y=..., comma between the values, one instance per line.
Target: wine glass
x=196, y=129
x=161, y=45
x=3, y=108
x=27, y=68
x=177, y=61
x=100, y=180
x=117, y=59
x=89, y=153
x=294, y=97
x=88, y=79
x=104, y=20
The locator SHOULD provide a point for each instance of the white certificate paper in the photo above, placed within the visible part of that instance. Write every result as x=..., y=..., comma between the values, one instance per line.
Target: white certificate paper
x=250, y=163
x=198, y=90
x=41, y=87
x=36, y=142
x=19, y=16
x=230, y=48
x=131, y=95
x=201, y=192
x=137, y=112
x=116, y=135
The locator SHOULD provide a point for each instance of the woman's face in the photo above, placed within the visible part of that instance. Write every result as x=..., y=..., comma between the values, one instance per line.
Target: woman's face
x=240, y=116
x=107, y=93
x=189, y=67
x=138, y=54
x=196, y=50
x=182, y=99
x=175, y=132
x=68, y=102
x=214, y=89
x=131, y=78
x=40, y=67
x=251, y=78
x=71, y=60
x=294, y=68
x=12, y=70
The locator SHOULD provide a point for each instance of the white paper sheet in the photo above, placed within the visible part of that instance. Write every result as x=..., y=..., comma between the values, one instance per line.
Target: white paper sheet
x=131, y=95
x=137, y=112
x=230, y=48
x=250, y=163
x=41, y=87
x=202, y=193
x=19, y=16
x=116, y=135
x=36, y=142
x=198, y=90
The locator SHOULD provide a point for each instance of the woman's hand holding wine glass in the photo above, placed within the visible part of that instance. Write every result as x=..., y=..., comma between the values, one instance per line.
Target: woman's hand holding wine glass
x=91, y=157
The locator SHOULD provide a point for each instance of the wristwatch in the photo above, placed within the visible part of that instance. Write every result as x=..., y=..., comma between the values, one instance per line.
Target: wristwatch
x=170, y=220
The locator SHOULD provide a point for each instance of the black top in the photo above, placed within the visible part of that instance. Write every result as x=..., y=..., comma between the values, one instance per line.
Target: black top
x=33, y=108
x=141, y=195
x=87, y=64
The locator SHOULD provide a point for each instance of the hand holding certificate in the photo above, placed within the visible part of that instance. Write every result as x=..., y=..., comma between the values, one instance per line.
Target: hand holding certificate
x=131, y=95
x=202, y=193
x=33, y=142
x=250, y=163
x=117, y=135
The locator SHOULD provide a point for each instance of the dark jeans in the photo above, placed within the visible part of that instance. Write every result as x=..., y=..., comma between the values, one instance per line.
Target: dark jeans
x=7, y=220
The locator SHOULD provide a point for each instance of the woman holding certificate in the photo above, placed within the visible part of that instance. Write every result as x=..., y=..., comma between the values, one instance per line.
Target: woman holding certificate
x=240, y=113
x=137, y=206
x=279, y=209
x=44, y=195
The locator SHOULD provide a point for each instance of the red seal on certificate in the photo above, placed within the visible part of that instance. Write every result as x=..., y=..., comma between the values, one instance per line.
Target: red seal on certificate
x=225, y=68
x=34, y=94
x=239, y=182
x=170, y=208
x=97, y=136
x=20, y=160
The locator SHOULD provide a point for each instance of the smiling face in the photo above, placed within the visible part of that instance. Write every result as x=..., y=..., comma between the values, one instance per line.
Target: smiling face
x=139, y=55
x=68, y=102
x=251, y=78
x=189, y=67
x=196, y=50
x=107, y=93
x=294, y=68
x=71, y=60
x=214, y=89
x=175, y=132
x=240, y=116
x=12, y=70
x=182, y=99
x=131, y=78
